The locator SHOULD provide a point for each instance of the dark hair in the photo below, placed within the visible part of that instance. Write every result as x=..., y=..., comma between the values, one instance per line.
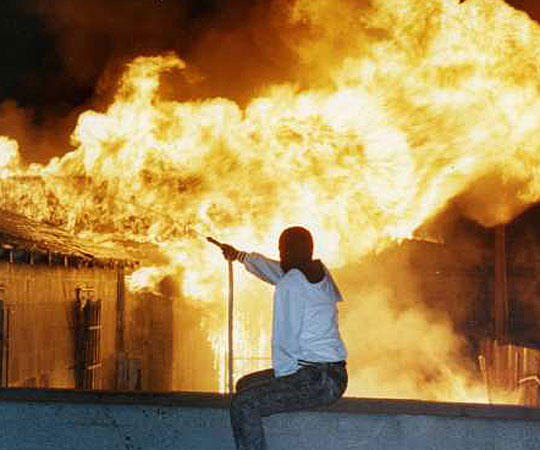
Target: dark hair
x=298, y=240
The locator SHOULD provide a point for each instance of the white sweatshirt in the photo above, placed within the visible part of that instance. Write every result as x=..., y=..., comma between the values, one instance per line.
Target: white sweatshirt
x=305, y=323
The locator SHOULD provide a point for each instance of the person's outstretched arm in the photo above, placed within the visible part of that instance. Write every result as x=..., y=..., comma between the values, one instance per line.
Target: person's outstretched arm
x=266, y=269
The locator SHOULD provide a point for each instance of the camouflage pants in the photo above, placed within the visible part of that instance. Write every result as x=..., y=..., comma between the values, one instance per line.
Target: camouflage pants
x=261, y=394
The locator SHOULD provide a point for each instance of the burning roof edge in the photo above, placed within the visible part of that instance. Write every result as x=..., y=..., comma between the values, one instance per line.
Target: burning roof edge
x=19, y=233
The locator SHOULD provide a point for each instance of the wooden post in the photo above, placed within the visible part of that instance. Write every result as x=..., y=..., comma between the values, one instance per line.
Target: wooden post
x=231, y=327
x=3, y=345
x=4, y=339
x=120, y=349
x=501, y=307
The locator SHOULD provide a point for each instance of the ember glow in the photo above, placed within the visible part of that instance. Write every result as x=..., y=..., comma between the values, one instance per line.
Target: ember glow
x=405, y=106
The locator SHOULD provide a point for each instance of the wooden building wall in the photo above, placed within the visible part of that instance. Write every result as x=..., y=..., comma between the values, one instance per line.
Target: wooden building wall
x=157, y=344
x=147, y=363
x=166, y=345
x=39, y=321
x=490, y=280
x=523, y=275
x=487, y=282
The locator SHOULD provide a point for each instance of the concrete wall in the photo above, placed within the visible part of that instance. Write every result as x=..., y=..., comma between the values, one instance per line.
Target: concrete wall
x=66, y=420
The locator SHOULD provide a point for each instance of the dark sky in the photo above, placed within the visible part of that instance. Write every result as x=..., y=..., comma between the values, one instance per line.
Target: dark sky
x=57, y=53
x=59, y=56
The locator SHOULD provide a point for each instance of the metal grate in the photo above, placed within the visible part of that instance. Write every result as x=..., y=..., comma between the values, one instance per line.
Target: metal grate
x=4, y=339
x=87, y=339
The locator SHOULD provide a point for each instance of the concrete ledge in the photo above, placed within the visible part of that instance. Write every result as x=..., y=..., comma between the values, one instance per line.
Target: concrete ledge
x=70, y=420
x=210, y=400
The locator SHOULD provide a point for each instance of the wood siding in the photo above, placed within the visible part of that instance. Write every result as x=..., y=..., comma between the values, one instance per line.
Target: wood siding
x=39, y=304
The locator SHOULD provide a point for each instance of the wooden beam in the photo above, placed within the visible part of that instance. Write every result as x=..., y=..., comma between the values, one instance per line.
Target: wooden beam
x=3, y=335
x=501, y=307
x=120, y=349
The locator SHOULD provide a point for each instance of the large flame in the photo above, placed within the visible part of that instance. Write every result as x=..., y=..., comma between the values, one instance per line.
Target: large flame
x=406, y=106
x=9, y=156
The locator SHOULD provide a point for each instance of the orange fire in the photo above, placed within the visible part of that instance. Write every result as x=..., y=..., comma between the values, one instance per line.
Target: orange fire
x=407, y=105
x=9, y=156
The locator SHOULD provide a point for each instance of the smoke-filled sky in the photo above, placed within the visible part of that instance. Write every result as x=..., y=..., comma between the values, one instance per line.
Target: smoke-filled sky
x=62, y=56
x=58, y=50
x=59, y=56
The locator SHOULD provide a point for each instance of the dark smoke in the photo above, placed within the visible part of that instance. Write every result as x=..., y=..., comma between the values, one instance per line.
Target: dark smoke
x=532, y=7
x=73, y=52
x=64, y=56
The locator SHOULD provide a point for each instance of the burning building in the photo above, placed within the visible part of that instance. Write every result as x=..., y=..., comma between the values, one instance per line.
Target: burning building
x=480, y=283
x=408, y=131
x=68, y=322
x=62, y=302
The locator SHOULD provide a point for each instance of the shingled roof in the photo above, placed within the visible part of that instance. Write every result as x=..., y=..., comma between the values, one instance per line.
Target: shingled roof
x=21, y=233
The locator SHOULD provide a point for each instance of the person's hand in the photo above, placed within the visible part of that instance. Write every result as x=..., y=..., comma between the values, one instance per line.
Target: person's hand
x=229, y=252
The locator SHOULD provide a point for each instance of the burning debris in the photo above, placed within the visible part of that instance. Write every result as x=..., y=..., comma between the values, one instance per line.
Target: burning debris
x=407, y=109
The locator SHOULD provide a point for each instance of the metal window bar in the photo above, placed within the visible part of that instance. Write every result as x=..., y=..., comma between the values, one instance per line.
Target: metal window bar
x=4, y=338
x=87, y=340
x=3, y=344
